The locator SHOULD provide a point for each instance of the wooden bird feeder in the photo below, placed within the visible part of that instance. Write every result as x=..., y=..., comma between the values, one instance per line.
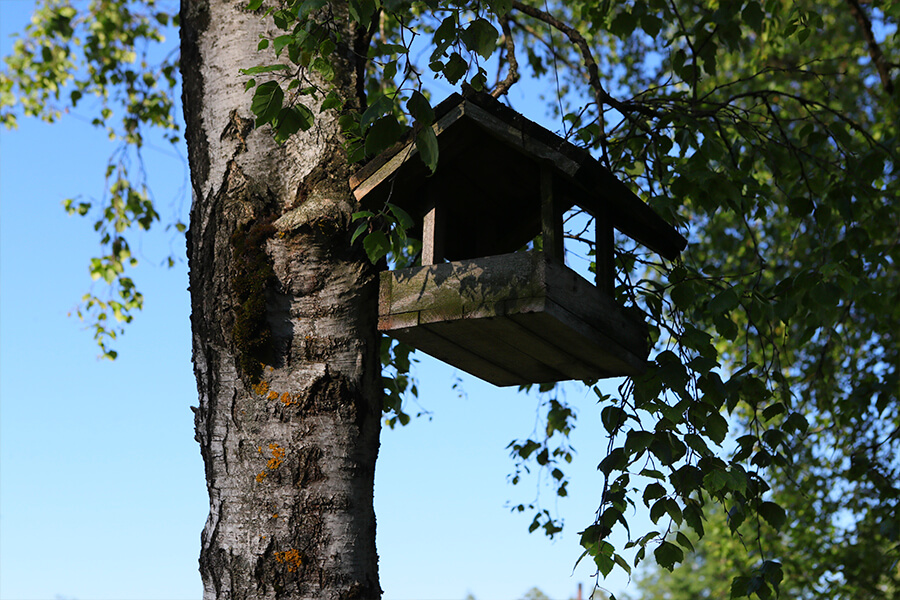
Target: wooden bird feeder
x=507, y=316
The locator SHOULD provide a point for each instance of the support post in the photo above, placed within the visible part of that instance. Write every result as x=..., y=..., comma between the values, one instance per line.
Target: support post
x=551, y=216
x=433, y=231
x=604, y=251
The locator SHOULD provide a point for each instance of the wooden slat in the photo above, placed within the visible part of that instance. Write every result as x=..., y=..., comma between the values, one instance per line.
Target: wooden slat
x=491, y=340
x=433, y=344
x=512, y=319
x=605, y=354
x=383, y=166
x=569, y=290
x=461, y=286
x=516, y=138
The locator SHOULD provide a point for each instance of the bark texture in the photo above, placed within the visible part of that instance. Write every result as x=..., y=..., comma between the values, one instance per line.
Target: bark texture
x=284, y=335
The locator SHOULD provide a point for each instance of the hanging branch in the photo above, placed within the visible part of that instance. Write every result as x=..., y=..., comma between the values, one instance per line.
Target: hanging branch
x=602, y=96
x=512, y=74
x=883, y=67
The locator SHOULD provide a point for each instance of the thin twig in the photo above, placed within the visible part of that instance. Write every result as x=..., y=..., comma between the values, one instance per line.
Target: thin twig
x=512, y=74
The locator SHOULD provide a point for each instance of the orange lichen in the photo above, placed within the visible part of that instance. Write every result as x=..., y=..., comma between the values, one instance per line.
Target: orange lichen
x=277, y=457
x=261, y=388
x=291, y=558
x=273, y=463
x=273, y=395
x=286, y=399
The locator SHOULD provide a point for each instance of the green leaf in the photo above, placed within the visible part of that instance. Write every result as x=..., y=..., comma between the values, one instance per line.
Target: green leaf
x=773, y=410
x=402, y=217
x=254, y=4
x=753, y=16
x=267, y=102
x=310, y=6
x=481, y=37
x=383, y=134
x=668, y=554
x=612, y=418
x=327, y=47
x=773, y=514
x=715, y=481
x=427, y=145
x=444, y=37
x=361, y=11
x=796, y=422
x=264, y=69
x=283, y=19
x=332, y=100
x=419, y=107
x=740, y=586
x=724, y=302
x=376, y=245
x=614, y=461
x=479, y=81
x=637, y=441
x=324, y=67
x=500, y=7
x=455, y=68
x=683, y=294
x=379, y=107
x=359, y=231
x=684, y=541
x=280, y=42
x=291, y=120
x=658, y=510
x=652, y=492
x=716, y=427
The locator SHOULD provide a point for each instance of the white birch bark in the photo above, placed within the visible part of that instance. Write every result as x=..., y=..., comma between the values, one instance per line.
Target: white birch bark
x=290, y=457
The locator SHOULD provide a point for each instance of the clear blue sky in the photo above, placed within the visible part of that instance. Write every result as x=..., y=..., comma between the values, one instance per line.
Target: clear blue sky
x=102, y=492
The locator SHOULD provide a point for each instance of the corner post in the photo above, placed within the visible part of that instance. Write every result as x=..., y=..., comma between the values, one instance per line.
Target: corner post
x=551, y=216
x=433, y=229
x=604, y=251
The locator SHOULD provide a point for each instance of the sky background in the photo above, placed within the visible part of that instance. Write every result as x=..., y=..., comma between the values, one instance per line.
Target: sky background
x=102, y=490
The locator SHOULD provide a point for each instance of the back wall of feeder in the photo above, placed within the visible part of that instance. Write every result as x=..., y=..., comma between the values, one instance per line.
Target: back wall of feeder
x=510, y=318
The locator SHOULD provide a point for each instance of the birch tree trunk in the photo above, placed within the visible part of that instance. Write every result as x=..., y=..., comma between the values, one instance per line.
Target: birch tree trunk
x=284, y=334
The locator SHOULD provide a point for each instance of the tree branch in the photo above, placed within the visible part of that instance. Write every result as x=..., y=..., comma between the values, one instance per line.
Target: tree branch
x=593, y=71
x=512, y=74
x=883, y=67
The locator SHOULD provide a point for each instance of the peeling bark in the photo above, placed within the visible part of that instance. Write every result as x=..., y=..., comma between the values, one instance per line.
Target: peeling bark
x=290, y=451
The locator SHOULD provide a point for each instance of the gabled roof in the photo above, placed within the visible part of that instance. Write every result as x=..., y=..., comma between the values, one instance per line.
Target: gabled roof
x=488, y=181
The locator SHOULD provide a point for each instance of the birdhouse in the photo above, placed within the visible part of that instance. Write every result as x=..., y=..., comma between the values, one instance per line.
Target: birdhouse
x=480, y=301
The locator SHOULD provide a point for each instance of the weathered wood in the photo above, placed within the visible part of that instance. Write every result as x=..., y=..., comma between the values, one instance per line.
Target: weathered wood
x=512, y=319
x=453, y=354
x=489, y=165
x=551, y=216
x=509, y=317
x=434, y=229
x=521, y=141
x=604, y=252
x=382, y=167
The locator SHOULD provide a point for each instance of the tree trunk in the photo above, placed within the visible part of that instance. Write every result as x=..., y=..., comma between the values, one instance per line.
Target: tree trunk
x=284, y=334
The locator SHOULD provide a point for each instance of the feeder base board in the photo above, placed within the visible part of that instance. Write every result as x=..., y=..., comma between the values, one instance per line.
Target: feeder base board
x=512, y=319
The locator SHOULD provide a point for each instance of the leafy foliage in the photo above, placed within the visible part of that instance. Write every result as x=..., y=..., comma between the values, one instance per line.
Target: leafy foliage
x=98, y=60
